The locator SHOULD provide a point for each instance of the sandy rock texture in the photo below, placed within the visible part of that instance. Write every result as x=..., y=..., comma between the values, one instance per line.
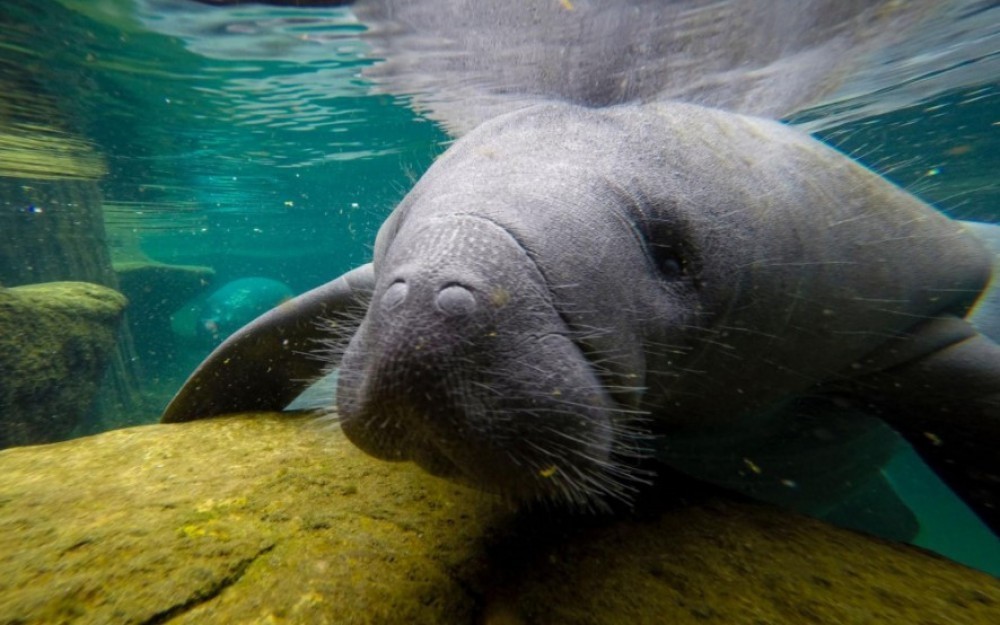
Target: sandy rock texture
x=278, y=519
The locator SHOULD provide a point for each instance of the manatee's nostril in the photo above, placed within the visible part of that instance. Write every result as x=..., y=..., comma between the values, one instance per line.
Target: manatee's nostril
x=394, y=295
x=455, y=300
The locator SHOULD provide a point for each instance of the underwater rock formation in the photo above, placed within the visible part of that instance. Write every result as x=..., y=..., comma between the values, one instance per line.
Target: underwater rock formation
x=154, y=291
x=56, y=341
x=51, y=206
x=278, y=519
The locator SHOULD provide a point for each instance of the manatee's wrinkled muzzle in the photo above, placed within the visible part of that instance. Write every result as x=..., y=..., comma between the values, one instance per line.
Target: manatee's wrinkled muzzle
x=463, y=365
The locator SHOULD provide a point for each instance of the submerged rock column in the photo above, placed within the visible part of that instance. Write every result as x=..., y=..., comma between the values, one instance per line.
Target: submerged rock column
x=57, y=340
x=51, y=221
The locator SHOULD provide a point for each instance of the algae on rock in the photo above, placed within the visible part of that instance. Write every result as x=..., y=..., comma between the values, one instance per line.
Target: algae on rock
x=56, y=340
x=279, y=519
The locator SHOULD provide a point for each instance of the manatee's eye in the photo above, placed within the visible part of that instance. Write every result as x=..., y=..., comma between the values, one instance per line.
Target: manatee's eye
x=670, y=250
x=669, y=262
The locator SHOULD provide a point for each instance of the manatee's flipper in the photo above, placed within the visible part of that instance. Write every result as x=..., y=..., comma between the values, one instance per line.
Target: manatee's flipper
x=266, y=364
x=819, y=455
x=944, y=398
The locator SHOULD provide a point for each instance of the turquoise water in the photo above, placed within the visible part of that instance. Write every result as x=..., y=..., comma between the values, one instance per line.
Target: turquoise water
x=280, y=167
x=242, y=168
x=944, y=150
x=249, y=142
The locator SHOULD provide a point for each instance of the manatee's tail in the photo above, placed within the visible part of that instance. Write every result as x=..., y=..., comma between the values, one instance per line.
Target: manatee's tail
x=267, y=363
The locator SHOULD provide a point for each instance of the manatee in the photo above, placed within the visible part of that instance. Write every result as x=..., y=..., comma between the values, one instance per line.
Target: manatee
x=568, y=287
x=588, y=279
x=230, y=307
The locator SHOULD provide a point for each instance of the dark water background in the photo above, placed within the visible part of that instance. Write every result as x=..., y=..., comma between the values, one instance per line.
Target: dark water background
x=247, y=141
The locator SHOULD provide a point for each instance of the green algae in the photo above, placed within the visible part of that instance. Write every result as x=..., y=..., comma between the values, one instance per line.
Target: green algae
x=56, y=340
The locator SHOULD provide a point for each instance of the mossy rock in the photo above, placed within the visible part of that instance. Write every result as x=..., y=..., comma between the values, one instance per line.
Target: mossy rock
x=56, y=340
x=278, y=519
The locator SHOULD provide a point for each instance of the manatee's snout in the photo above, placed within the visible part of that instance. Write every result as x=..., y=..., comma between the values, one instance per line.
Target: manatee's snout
x=463, y=365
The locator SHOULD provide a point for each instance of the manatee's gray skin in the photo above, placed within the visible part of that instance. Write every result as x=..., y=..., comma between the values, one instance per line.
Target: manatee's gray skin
x=565, y=283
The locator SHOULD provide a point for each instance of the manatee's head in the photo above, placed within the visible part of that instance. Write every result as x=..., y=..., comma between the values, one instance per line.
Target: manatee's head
x=236, y=304
x=219, y=318
x=208, y=329
x=213, y=323
x=504, y=345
